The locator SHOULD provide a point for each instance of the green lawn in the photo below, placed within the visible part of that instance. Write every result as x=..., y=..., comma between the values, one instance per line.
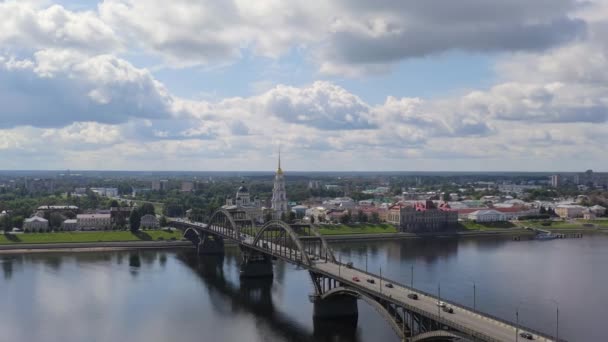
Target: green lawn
x=101, y=236
x=343, y=229
x=577, y=224
x=470, y=225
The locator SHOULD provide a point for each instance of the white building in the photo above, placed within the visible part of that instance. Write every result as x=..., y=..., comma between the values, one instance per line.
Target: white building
x=598, y=210
x=340, y=203
x=149, y=222
x=68, y=225
x=107, y=192
x=35, y=223
x=243, y=202
x=319, y=213
x=94, y=221
x=569, y=210
x=487, y=216
x=279, y=194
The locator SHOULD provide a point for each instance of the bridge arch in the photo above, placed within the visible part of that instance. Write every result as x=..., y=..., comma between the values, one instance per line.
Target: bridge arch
x=193, y=236
x=223, y=216
x=439, y=335
x=330, y=252
x=348, y=291
x=290, y=232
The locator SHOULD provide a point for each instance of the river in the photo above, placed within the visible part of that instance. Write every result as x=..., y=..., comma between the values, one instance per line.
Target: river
x=164, y=295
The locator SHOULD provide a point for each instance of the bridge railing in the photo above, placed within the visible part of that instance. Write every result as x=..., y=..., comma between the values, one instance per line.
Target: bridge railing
x=457, y=305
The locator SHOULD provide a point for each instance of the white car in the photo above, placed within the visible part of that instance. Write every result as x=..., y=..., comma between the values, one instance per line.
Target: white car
x=440, y=304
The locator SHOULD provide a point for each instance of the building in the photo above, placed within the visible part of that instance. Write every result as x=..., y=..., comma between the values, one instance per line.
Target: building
x=569, y=210
x=314, y=185
x=299, y=210
x=556, y=181
x=588, y=215
x=187, y=186
x=279, y=194
x=318, y=214
x=488, y=215
x=36, y=224
x=149, y=222
x=69, y=225
x=160, y=185
x=120, y=215
x=598, y=210
x=340, y=203
x=107, y=192
x=242, y=202
x=426, y=217
x=94, y=221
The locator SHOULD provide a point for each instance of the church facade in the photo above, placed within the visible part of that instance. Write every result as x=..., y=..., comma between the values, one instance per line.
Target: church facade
x=243, y=202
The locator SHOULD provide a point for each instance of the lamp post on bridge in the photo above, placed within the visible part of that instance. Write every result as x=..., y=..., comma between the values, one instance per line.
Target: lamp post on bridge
x=412, y=278
x=365, y=261
x=439, y=299
x=517, y=321
x=556, y=320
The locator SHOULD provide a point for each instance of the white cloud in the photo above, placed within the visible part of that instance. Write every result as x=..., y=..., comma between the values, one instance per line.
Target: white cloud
x=59, y=87
x=29, y=26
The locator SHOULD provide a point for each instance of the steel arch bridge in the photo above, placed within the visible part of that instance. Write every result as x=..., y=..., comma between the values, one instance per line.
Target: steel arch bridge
x=337, y=286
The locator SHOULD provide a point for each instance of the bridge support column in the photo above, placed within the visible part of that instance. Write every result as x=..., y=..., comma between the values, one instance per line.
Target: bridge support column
x=335, y=307
x=255, y=265
x=210, y=245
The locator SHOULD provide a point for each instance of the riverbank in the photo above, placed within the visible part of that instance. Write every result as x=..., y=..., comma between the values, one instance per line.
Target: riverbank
x=91, y=236
x=91, y=246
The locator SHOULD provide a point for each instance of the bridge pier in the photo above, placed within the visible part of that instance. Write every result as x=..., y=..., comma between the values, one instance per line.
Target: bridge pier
x=255, y=264
x=335, y=307
x=210, y=245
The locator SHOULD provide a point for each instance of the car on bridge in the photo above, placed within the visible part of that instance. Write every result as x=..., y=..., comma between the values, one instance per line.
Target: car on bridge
x=371, y=281
x=526, y=335
x=448, y=309
x=389, y=285
x=356, y=279
x=440, y=304
x=412, y=296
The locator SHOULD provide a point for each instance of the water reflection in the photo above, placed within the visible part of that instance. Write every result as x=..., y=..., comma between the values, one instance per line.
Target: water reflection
x=255, y=296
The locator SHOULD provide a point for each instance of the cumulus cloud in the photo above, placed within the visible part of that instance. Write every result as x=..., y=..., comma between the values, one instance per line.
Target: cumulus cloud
x=26, y=25
x=58, y=87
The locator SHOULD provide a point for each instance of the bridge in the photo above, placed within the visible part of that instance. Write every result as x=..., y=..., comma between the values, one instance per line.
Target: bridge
x=338, y=286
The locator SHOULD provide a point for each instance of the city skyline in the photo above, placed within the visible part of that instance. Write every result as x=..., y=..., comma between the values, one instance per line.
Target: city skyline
x=468, y=86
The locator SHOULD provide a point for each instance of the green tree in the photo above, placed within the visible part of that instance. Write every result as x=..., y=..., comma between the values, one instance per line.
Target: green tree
x=55, y=220
x=162, y=221
x=135, y=220
x=312, y=220
x=114, y=204
x=375, y=217
x=291, y=217
x=147, y=209
x=268, y=217
x=5, y=223
x=361, y=217
x=345, y=219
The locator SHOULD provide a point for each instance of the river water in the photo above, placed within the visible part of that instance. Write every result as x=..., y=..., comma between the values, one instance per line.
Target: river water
x=166, y=295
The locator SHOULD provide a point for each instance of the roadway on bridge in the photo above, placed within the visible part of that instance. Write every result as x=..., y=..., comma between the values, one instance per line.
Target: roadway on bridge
x=461, y=317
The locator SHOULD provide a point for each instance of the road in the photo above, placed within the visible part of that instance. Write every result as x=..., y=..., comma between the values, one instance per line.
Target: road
x=426, y=304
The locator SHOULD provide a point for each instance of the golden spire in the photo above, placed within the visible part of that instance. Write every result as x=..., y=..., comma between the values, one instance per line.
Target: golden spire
x=279, y=171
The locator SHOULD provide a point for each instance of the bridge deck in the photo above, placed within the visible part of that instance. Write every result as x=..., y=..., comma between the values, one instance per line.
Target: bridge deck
x=462, y=319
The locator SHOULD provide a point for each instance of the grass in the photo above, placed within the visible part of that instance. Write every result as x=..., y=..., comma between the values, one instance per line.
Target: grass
x=364, y=228
x=97, y=236
x=577, y=224
x=471, y=225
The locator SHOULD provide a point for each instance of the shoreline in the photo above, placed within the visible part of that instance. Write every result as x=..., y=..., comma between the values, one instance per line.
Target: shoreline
x=24, y=248
x=77, y=247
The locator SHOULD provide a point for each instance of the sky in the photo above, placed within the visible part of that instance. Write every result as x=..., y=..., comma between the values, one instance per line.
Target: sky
x=385, y=85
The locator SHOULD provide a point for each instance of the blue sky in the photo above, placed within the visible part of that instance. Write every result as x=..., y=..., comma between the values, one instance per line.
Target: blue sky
x=343, y=85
